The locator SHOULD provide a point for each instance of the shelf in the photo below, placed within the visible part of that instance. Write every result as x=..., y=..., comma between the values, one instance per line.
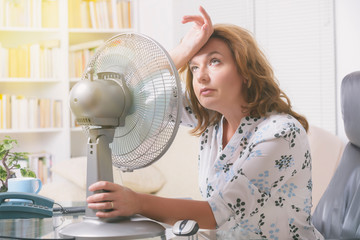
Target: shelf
x=66, y=140
x=87, y=36
x=35, y=130
x=74, y=80
x=76, y=129
x=93, y=30
x=28, y=29
x=13, y=38
x=29, y=80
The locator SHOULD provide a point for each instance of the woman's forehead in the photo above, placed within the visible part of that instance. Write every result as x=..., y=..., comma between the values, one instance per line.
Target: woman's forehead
x=213, y=46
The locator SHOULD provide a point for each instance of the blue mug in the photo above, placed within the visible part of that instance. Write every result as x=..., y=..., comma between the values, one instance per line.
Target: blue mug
x=26, y=184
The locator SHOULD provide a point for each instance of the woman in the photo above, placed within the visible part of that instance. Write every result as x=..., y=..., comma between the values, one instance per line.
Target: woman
x=254, y=160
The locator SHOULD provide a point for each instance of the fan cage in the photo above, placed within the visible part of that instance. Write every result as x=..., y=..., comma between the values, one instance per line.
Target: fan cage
x=154, y=117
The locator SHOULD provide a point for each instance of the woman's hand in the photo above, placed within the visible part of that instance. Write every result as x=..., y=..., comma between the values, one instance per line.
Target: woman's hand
x=125, y=202
x=200, y=32
x=194, y=39
x=122, y=201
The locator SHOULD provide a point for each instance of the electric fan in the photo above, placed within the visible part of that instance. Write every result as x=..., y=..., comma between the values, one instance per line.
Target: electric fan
x=128, y=103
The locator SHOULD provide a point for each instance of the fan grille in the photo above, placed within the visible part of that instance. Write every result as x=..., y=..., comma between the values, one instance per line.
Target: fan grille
x=153, y=120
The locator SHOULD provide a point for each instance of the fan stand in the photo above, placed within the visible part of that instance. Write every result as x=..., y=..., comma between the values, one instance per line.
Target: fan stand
x=99, y=168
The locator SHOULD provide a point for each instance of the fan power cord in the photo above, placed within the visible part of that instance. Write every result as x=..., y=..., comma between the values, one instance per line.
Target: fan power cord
x=27, y=238
x=68, y=210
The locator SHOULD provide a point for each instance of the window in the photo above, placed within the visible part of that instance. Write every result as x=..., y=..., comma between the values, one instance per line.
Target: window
x=298, y=38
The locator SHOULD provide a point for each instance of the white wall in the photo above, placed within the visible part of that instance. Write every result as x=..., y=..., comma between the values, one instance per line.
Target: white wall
x=155, y=20
x=347, y=24
x=161, y=19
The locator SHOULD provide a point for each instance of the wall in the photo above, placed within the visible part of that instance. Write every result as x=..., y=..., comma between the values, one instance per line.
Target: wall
x=347, y=48
x=161, y=20
x=347, y=19
x=155, y=20
x=347, y=34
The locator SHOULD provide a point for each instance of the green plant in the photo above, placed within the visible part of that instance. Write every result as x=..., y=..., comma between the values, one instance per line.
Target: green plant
x=10, y=162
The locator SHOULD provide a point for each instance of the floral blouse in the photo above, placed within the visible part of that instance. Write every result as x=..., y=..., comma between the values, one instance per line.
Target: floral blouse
x=259, y=184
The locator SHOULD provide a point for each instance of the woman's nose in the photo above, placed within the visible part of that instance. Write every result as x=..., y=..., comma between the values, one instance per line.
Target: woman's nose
x=202, y=74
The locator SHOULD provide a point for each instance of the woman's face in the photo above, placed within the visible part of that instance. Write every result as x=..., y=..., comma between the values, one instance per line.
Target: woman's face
x=216, y=81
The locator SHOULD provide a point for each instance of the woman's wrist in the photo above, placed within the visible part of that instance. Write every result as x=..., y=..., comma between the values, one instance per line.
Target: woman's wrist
x=141, y=203
x=182, y=54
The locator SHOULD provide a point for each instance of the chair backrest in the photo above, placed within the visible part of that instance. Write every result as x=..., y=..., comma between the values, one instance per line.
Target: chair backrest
x=337, y=214
x=326, y=151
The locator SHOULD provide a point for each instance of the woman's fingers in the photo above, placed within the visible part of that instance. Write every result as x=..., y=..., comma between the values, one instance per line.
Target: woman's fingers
x=115, y=211
x=99, y=197
x=101, y=205
x=120, y=200
x=110, y=214
x=199, y=20
x=102, y=185
x=106, y=195
x=205, y=16
x=193, y=18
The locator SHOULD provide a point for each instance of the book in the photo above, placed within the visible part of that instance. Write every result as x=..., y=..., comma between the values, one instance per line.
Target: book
x=2, y=13
x=13, y=63
x=57, y=114
x=93, y=15
x=114, y=18
x=1, y=113
x=120, y=15
x=39, y=60
x=8, y=111
x=102, y=14
x=35, y=60
x=40, y=163
x=29, y=13
x=4, y=59
x=44, y=112
x=33, y=112
x=36, y=13
x=50, y=13
x=86, y=45
x=79, y=56
x=20, y=112
x=125, y=13
x=14, y=112
x=74, y=11
x=23, y=61
x=85, y=14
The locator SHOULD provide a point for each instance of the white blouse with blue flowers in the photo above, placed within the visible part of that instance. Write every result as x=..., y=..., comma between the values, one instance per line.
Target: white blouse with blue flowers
x=259, y=184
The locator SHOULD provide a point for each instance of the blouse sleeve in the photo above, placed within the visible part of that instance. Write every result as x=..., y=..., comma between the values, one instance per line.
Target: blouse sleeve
x=273, y=156
x=187, y=116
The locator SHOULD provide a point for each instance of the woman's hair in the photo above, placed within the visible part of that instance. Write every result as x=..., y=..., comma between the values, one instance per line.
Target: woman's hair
x=263, y=93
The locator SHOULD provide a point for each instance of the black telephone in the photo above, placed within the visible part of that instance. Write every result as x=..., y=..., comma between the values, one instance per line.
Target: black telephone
x=24, y=205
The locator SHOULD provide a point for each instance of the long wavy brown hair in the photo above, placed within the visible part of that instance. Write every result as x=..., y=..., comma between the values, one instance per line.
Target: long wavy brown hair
x=263, y=92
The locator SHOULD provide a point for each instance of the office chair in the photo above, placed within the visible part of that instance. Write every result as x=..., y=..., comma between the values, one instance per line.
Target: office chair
x=337, y=215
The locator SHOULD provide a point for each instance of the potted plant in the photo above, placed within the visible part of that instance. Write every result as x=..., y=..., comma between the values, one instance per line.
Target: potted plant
x=10, y=162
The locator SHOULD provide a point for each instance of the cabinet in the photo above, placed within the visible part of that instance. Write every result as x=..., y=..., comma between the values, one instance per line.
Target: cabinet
x=56, y=27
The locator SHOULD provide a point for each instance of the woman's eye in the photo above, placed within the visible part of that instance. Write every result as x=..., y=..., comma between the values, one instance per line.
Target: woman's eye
x=214, y=61
x=193, y=68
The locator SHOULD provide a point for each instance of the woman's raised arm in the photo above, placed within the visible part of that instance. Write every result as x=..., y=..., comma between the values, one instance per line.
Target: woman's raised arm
x=194, y=39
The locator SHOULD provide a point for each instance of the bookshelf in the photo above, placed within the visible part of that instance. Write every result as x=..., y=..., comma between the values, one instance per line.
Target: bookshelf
x=43, y=40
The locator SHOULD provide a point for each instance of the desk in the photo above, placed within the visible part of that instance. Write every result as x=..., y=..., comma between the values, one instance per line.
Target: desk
x=48, y=228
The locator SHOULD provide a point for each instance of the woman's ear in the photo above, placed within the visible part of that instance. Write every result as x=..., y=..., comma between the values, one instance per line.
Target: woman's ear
x=246, y=82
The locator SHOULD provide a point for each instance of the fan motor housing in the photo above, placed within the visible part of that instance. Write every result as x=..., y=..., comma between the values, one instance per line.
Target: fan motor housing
x=100, y=102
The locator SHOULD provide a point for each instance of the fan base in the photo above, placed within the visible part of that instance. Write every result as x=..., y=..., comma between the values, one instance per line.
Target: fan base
x=96, y=229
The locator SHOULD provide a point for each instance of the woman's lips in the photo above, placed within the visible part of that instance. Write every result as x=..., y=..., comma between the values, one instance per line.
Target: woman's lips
x=206, y=91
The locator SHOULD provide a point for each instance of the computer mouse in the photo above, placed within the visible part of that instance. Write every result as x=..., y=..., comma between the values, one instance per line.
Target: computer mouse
x=185, y=228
